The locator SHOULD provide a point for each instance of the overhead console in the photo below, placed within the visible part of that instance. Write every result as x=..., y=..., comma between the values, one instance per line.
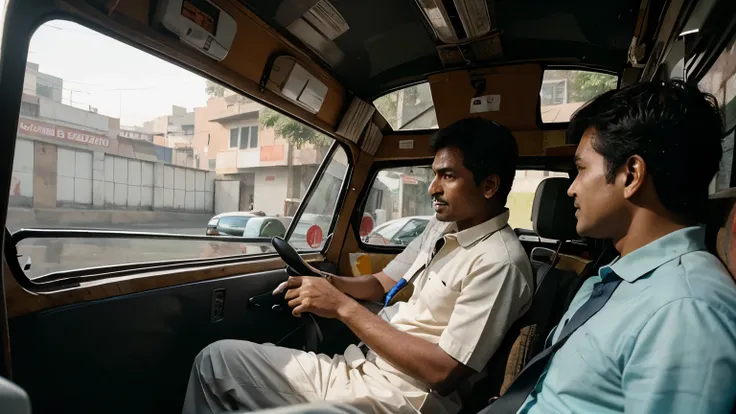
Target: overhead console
x=200, y=24
x=288, y=78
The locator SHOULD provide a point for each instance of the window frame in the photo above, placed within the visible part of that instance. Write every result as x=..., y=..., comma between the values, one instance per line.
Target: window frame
x=69, y=279
x=562, y=164
x=240, y=128
x=310, y=193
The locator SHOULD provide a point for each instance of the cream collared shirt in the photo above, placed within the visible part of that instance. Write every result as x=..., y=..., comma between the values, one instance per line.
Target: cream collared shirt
x=465, y=297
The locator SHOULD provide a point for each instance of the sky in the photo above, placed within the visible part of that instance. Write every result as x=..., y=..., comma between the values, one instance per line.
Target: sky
x=119, y=80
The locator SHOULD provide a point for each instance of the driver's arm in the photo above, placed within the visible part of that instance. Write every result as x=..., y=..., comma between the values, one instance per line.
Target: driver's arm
x=364, y=287
x=374, y=287
x=491, y=298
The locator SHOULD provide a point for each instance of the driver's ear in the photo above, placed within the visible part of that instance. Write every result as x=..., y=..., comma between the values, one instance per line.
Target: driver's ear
x=490, y=186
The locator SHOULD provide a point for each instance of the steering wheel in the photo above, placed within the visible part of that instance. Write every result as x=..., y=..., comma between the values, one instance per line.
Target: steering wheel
x=295, y=266
x=293, y=261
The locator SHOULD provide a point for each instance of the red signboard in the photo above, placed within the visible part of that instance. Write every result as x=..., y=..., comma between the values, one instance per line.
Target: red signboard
x=314, y=236
x=407, y=179
x=366, y=226
x=40, y=129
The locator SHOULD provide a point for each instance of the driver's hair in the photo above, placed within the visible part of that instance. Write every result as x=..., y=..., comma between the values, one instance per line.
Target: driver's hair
x=487, y=147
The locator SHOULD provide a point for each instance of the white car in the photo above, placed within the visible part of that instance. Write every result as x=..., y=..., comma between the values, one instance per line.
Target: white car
x=398, y=232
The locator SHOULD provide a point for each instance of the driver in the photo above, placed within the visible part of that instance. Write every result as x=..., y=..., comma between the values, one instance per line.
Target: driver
x=471, y=280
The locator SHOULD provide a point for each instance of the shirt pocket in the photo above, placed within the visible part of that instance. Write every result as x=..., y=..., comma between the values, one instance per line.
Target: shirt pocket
x=438, y=300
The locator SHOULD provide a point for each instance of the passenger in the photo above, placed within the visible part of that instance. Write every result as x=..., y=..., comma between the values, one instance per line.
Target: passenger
x=472, y=280
x=664, y=340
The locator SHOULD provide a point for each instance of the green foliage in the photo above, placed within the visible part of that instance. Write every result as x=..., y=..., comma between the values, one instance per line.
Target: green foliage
x=214, y=90
x=583, y=86
x=293, y=131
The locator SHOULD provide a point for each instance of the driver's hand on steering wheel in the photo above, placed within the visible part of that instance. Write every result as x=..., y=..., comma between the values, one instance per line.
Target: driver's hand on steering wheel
x=313, y=294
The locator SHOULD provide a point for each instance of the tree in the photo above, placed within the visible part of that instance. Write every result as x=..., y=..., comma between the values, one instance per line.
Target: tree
x=583, y=86
x=214, y=90
x=294, y=132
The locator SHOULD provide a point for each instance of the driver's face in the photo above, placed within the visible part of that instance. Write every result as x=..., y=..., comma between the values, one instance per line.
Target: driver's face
x=455, y=195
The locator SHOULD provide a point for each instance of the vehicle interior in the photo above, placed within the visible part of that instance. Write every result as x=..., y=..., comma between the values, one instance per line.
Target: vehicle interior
x=108, y=318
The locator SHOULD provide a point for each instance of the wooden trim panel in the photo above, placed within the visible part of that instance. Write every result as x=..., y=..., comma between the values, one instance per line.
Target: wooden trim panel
x=21, y=301
x=241, y=69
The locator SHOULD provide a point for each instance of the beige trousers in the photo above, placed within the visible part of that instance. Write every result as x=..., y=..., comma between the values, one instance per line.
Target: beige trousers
x=235, y=375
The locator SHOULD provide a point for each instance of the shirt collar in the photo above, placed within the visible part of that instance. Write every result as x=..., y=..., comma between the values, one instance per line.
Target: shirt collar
x=653, y=255
x=468, y=237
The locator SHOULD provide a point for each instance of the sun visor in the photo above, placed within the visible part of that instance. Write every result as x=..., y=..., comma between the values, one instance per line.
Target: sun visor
x=508, y=95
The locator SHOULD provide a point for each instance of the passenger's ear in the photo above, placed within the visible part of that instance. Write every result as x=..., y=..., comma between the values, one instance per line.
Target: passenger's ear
x=491, y=185
x=635, y=170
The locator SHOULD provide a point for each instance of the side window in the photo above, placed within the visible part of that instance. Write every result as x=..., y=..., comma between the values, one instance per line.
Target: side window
x=409, y=232
x=720, y=81
x=410, y=108
x=398, y=202
x=399, y=206
x=564, y=91
x=123, y=140
x=521, y=197
x=315, y=223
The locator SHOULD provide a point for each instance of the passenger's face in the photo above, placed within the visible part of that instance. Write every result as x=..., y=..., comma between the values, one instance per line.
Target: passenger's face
x=600, y=205
x=456, y=196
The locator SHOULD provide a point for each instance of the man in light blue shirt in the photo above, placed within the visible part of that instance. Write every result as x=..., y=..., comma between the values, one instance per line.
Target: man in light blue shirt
x=655, y=331
x=665, y=340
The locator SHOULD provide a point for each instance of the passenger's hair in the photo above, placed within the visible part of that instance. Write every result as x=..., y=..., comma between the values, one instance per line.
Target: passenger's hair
x=487, y=148
x=673, y=126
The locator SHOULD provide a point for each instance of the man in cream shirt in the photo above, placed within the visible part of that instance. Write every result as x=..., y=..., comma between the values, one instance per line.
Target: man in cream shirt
x=471, y=280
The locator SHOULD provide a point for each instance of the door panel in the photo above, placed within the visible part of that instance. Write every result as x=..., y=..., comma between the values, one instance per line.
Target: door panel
x=21, y=301
x=133, y=353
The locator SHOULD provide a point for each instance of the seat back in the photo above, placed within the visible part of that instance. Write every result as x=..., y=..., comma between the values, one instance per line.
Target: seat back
x=557, y=279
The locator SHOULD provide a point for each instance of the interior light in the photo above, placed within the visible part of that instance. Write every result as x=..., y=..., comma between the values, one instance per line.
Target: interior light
x=473, y=15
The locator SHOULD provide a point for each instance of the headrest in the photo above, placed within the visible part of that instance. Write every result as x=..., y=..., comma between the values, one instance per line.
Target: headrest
x=553, y=212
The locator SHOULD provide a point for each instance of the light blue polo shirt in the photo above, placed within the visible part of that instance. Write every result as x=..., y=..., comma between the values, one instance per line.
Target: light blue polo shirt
x=664, y=343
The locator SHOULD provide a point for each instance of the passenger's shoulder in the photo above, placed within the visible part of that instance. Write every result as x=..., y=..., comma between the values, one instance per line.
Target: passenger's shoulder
x=697, y=276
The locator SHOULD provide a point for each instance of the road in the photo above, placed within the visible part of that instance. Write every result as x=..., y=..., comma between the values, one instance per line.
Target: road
x=53, y=255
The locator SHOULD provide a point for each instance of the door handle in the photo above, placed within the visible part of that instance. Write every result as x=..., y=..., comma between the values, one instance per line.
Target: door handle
x=217, y=306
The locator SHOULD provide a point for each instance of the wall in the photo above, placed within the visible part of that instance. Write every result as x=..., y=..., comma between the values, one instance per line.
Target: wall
x=158, y=125
x=269, y=195
x=179, y=188
x=34, y=78
x=227, y=196
x=21, y=185
x=74, y=177
x=209, y=135
x=128, y=183
x=49, y=176
x=55, y=110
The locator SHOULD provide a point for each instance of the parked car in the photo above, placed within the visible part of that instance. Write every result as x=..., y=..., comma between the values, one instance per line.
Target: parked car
x=246, y=224
x=398, y=232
